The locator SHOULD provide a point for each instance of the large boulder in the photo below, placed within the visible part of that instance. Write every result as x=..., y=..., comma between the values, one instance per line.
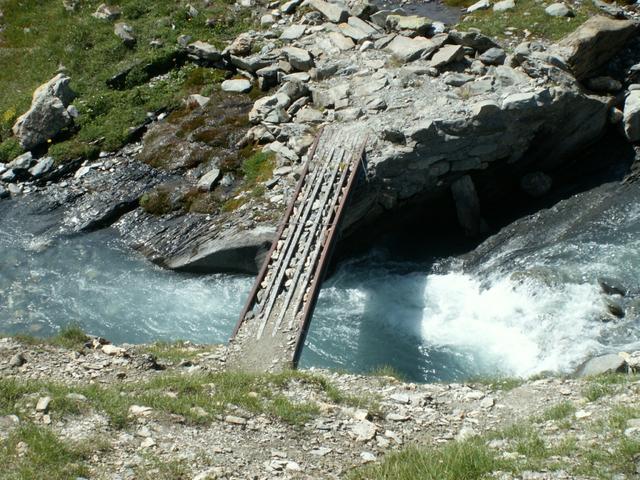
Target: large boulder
x=632, y=116
x=609, y=363
x=594, y=43
x=48, y=113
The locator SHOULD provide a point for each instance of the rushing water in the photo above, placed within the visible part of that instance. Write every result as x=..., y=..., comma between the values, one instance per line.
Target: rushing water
x=528, y=307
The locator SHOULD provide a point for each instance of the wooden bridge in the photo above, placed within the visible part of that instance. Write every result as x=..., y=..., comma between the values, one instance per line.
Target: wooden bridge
x=273, y=325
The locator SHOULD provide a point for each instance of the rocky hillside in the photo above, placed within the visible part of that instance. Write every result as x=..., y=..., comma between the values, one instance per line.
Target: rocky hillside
x=80, y=408
x=217, y=129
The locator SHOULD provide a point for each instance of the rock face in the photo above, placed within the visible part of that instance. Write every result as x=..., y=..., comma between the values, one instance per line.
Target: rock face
x=610, y=363
x=594, y=43
x=48, y=113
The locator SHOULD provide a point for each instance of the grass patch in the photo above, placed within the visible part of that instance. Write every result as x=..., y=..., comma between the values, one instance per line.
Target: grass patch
x=174, y=352
x=9, y=149
x=527, y=15
x=607, y=384
x=157, y=201
x=32, y=452
x=256, y=168
x=560, y=411
x=466, y=460
x=40, y=36
x=197, y=398
x=386, y=371
x=71, y=336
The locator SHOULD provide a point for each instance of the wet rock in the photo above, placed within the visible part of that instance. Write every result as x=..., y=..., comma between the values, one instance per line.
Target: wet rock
x=125, y=33
x=467, y=205
x=236, y=86
x=614, y=307
x=609, y=363
x=331, y=11
x=593, y=44
x=4, y=193
x=536, y=184
x=559, y=10
x=612, y=286
x=47, y=114
x=604, y=84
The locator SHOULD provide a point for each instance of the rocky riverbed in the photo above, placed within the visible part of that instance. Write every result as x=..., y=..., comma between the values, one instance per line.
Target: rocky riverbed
x=173, y=417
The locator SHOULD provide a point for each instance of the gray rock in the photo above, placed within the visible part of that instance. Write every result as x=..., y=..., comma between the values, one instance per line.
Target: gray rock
x=467, y=205
x=479, y=5
x=493, y=56
x=43, y=165
x=43, y=404
x=9, y=176
x=536, y=184
x=22, y=162
x=593, y=43
x=559, y=10
x=267, y=20
x=107, y=12
x=293, y=32
x=631, y=116
x=614, y=307
x=17, y=360
x=209, y=180
x=363, y=26
x=609, y=363
x=504, y=5
x=332, y=12
x=195, y=100
x=407, y=49
x=252, y=63
x=270, y=109
x=299, y=58
x=472, y=39
x=447, y=54
x=204, y=51
x=604, y=84
x=362, y=8
x=241, y=45
x=4, y=193
x=309, y=115
x=125, y=33
x=236, y=86
x=457, y=79
x=520, y=101
x=47, y=114
x=342, y=42
x=415, y=23
x=364, y=430
x=353, y=33
x=290, y=6
x=612, y=286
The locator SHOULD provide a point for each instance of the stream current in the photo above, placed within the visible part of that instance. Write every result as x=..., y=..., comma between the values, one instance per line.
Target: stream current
x=529, y=306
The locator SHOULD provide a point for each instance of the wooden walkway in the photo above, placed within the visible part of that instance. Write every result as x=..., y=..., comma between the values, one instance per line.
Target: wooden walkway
x=271, y=331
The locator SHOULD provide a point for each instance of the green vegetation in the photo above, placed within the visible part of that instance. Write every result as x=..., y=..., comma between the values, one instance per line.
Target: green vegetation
x=386, y=371
x=35, y=453
x=607, y=384
x=40, y=37
x=527, y=15
x=196, y=398
x=256, y=168
x=71, y=336
x=466, y=460
x=157, y=201
x=9, y=149
x=176, y=351
x=560, y=411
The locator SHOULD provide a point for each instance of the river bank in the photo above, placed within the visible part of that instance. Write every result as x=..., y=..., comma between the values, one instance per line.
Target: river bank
x=172, y=411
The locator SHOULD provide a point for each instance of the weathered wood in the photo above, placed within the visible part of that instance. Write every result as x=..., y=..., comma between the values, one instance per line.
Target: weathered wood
x=289, y=282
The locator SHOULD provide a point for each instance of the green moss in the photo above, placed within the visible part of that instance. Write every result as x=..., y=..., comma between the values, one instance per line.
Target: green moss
x=73, y=149
x=10, y=149
x=258, y=167
x=156, y=202
x=70, y=336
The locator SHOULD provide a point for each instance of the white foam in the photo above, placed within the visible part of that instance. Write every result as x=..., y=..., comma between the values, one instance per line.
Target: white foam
x=522, y=329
